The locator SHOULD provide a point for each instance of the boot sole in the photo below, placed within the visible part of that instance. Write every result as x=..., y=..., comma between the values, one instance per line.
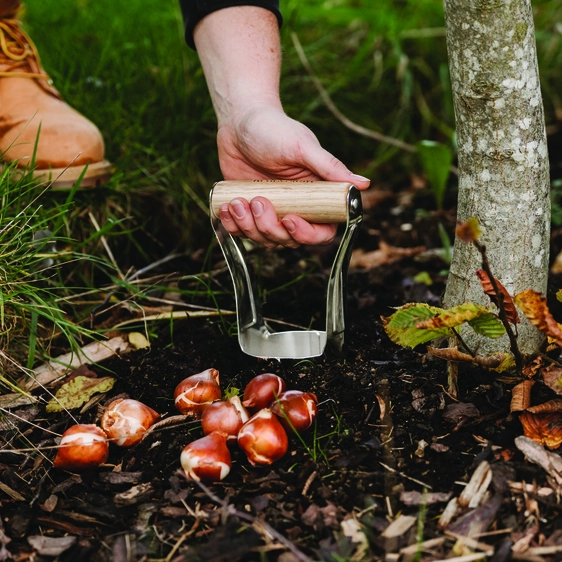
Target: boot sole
x=65, y=178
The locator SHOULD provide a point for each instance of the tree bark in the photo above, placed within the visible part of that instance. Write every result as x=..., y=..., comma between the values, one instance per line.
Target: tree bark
x=503, y=159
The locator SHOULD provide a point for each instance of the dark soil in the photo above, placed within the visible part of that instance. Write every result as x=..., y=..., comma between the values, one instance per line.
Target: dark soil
x=380, y=442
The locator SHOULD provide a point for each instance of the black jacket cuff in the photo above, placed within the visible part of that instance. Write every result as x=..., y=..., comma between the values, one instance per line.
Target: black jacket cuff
x=195, y=10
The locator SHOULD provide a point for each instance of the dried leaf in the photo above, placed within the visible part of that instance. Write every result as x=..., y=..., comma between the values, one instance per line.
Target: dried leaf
x=552, y=377
x=534, y=307
x=480, y=319
x=545, y=429
x=138, y=340
x=468, y=231
x=77, y=392
x=493, y=361
x=384, y=255
x=547, y=407
x=450, y=354
x=508, y=303
x=532, y=368
x=497, y=361
x=459, y=412
x=521, y=396
x=550, y=462
x=352, y=529
x=50, y=546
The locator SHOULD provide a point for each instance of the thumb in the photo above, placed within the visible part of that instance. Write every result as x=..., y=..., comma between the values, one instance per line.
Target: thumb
x=329, y=168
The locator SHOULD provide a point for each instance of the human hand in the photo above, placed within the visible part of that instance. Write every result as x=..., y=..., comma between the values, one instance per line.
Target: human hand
x=264, y=143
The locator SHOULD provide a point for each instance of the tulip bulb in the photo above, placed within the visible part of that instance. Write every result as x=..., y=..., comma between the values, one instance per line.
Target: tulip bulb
x=207, y=459
x=296, y=410
x=262, y=391
x=81, y=447
x=263, y=438
x=197, y=392
x=228, y=416
x=126, y=421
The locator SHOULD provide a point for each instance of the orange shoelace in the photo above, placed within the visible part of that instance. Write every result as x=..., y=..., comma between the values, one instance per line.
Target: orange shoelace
x=19, y=56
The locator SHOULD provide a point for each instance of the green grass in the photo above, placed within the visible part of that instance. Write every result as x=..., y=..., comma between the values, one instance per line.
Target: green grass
x=126, y=67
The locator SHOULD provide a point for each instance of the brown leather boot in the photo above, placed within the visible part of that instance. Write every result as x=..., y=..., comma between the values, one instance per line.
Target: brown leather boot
x=29, y=103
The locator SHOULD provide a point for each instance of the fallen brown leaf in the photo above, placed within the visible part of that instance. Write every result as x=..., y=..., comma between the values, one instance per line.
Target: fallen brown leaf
x=545, y=429
x=532, y=368
x=547, y=407
x=384, y=255
x=534, y=307
x=521, y=396
x=552, y=377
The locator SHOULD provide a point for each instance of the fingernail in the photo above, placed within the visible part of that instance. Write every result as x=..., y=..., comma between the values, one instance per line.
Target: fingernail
x=257, y=208
x=289, y=225
x=359, y=178
x=238, y=208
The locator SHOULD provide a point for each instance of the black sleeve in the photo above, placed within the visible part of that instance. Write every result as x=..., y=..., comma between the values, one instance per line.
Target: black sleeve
x=195, y=10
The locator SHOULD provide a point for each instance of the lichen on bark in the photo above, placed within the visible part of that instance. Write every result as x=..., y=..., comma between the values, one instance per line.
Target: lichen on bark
x=502, y=151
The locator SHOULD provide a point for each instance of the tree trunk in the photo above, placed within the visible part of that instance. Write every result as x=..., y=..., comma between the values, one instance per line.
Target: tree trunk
x=503, y=159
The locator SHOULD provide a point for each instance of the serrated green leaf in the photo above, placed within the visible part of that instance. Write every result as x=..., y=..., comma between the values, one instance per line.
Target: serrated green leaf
x=411, y=314
x=418, y=323
x=559, y=295
x=401, y=327
x=77, y=392
x=454, y=317
x=488, y=325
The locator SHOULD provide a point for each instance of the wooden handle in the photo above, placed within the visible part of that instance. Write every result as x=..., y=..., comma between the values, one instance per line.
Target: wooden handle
x=314, y=201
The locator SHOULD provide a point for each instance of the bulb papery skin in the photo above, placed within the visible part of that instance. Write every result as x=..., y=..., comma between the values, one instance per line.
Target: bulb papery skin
x=296, y=410
x=82, y=446
x=263, y=438
x=228, y=416
x=262, y=391
x=195, y=393
x=125, y=421
x=207, y=459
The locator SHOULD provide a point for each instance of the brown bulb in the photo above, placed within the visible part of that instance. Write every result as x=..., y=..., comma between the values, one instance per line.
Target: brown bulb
x=262, y=391
x=125, y=421
x=197, y=392
x=263, y=438
x=228, y=416
x=296, y=410
x=82, y=446
x=207, y=459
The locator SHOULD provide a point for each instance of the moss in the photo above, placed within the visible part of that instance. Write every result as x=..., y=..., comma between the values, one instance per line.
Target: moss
x=520, y=31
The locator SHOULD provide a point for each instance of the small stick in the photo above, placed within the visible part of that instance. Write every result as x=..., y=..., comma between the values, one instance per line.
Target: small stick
x=250, y=518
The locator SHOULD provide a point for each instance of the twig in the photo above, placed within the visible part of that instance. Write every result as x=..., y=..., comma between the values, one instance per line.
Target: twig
x=337, y=113
x=501, y=308
x=250, y=518
x=106, y=245
x=405, y=476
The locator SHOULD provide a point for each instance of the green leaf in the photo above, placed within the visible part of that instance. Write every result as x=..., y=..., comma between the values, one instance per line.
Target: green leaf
x=436, y=159
x=488, y=325
x=418, y=323
x=230, y=392
x=423, y=277
x=77, y=392
x=401, y=327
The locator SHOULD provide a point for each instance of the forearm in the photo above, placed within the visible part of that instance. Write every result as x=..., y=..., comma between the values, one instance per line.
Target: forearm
x=240, y=54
